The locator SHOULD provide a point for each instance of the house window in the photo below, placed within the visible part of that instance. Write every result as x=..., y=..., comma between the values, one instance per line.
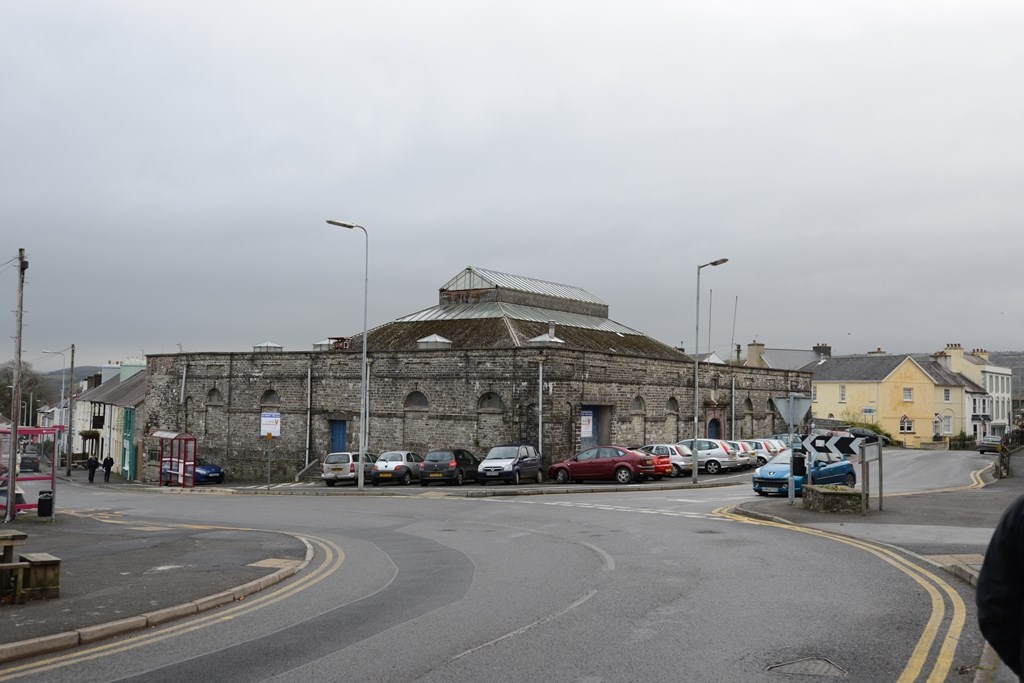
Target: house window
x=906, y=425
x=947, y=395
x=842, y=393
x=947, y=424
x=908, y=394
x=814, y=394
x=416, y=401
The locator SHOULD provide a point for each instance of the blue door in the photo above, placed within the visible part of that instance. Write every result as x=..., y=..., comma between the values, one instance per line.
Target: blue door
x=339, y=434
x=714, y=429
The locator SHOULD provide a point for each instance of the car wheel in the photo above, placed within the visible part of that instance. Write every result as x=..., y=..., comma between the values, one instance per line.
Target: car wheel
x=406, y=479
x=540, y=477
x=623, y=475
x=850, y=479
x=676, y=471
x=515, y=478
x=562, y=476
x=712, y=467
x=761, y=461
x=329, y=482
x=458, y=478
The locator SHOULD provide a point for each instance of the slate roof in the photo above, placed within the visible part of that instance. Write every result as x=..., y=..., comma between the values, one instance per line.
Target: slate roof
x=100, y=393
x=789, y=359
x=128, y=393
x=853, y=368
x=509, y=332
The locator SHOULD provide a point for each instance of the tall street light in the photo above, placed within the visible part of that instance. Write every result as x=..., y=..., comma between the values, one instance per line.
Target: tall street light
x=695, y=460
x=363, y=393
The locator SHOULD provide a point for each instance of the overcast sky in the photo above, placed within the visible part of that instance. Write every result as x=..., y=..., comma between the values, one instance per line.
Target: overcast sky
x=168, y=166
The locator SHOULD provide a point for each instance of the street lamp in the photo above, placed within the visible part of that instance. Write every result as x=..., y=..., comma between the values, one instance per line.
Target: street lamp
x=363, y=393
x=695, y=460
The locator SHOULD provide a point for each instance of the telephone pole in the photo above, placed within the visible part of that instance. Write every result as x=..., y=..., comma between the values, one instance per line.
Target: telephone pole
x=12, y=466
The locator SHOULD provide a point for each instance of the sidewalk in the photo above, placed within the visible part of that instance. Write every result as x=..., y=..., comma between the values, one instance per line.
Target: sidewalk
x=112, y=571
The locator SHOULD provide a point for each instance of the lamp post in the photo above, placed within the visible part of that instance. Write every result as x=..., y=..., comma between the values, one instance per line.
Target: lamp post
x=695, y=460
x=363, y=393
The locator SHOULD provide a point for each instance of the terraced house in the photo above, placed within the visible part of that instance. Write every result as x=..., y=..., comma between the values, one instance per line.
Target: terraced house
x=500, y=358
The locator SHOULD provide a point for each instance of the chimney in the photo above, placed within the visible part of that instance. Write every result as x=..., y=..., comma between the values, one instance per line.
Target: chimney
x=823, y=350
x=755, y=351
x=877, y=352
x=980, y=353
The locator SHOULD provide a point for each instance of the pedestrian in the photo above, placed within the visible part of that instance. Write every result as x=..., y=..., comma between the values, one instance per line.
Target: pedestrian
x=1000, y=591
x=92, y=464
x=108, y=462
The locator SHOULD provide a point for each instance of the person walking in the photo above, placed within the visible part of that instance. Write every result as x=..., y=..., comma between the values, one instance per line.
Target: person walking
x=1000, y=591
x=108, y=462
x=92, y=464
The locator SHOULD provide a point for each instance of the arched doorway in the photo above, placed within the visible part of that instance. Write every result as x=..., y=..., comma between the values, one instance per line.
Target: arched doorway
x=714, y=429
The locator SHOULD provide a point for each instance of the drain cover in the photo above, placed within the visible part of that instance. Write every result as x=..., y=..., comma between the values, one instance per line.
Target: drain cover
x=809, y=666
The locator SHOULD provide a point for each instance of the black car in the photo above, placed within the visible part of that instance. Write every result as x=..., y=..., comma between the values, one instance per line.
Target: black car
x=452, y=466
x=30, y=461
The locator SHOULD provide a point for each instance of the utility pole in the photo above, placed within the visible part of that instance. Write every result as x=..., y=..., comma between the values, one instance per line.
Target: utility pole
x=12, y=466
x=70, y=436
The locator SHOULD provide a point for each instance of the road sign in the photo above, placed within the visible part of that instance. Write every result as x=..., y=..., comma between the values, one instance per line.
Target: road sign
x=792, y=408
x=840, y=445
x=270, y=424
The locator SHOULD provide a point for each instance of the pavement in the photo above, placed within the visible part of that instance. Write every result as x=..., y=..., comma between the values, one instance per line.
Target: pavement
x=118, y=575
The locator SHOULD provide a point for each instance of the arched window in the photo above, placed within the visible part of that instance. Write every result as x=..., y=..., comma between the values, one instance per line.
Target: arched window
x=748, y=406
x=490, y=403
x=270, y=398
x=672, y=405
x=214, y=397
x=416, y=401
x=637, y=405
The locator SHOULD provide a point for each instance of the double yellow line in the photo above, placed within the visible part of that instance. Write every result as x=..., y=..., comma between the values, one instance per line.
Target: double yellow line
x=930, y=582
x=333, y=558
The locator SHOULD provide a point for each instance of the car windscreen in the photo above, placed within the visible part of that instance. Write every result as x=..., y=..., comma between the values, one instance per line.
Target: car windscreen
x=335, y=458
x=439, y=456
x=391, y=457
x=503, y=453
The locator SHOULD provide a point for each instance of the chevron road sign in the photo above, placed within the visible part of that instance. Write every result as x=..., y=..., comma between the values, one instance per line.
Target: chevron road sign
x=840, y=445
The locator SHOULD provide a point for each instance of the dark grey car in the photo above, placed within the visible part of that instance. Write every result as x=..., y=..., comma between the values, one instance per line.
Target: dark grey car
x=511, y=463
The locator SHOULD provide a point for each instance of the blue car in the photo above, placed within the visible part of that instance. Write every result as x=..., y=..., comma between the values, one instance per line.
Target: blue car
x=825, y=468
x=205, y=473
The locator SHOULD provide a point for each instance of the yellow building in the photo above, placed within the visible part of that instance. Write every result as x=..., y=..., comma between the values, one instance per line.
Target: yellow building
x=917, y=400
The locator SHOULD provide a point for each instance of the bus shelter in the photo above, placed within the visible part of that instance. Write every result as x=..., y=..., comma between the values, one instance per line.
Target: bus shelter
x=177, y=458
x=34, y=434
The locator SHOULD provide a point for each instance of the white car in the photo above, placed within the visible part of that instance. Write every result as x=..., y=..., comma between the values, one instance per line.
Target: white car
x=714, y=455
x=400, y=466
x=679, y=455
x=344, y=466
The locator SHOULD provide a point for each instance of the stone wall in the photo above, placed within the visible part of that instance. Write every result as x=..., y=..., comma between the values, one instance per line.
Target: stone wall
x=218, y=397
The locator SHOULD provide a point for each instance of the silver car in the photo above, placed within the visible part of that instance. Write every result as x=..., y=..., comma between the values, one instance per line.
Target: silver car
x=680, y=456
x=399, y=466
x=714, y=455
x=344, y=466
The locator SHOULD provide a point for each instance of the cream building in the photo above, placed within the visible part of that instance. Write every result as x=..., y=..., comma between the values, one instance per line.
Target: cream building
x=991, y=410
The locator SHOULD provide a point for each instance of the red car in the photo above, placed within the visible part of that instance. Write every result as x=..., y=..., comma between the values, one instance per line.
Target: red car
x=617, y=463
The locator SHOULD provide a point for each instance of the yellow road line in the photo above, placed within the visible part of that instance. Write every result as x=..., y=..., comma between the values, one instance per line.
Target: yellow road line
x=919, y=575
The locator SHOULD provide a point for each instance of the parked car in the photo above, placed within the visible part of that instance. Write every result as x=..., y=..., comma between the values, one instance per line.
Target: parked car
x=680, y=457
x=713, y=455
x=869, y=435
x=399, y=466
x=204, y=472
x=787, y=440
x=344, y=466
x=617, y=463
x=511, y=463
x=986, y=444
x=764, y=450
x=451, y=467
x=744, y=453
x=825, y=468
x=662, y=463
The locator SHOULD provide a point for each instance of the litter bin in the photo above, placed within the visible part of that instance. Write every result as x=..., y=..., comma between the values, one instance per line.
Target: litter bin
x=45, y=507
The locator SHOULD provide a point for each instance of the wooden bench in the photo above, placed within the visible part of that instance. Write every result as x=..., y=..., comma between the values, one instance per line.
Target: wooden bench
x=11, y=572
x=42, y=579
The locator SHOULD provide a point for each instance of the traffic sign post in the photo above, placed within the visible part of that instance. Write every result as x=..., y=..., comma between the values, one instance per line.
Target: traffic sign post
x=868, y=453
x=830, y=443
x=792, y=408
